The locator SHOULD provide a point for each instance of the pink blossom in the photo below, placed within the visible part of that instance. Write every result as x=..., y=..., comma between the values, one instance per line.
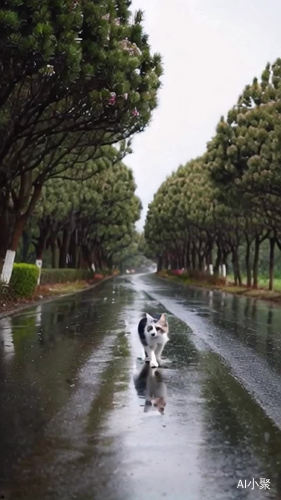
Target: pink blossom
x=112, y=99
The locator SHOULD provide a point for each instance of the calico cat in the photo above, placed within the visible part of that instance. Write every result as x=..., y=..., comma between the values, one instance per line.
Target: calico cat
x=153, y=333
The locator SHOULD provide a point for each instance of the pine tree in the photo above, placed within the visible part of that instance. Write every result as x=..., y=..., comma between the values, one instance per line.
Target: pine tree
x=91, y=81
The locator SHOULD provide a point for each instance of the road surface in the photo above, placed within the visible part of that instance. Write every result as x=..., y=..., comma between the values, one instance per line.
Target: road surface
x=76, y=419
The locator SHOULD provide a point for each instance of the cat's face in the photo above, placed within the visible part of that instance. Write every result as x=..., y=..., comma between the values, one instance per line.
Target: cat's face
x=154, y=328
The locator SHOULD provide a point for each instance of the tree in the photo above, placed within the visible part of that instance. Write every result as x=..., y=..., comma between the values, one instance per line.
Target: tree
x=91, y=223
x=60, y=111
x=245, y=162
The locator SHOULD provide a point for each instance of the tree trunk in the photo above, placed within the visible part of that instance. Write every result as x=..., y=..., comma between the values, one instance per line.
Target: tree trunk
x=98, y=258
x=159, y=263
x=55, y=252
x=236, y=267
x=7, y=268
x=26, y=240
x=6, y=230
x=18, y=230
x=248, y=264
x=225, y=255
x=64, y=249
x=12, y=236
x=271, y=262
x=40, y=247
x=40, y=244
x=87, y=256
x=238, y=270
x=209, y=254
x=193, y=257
x=256, y=263
x=186, y=257
x=165, y=260
x=201, y=261
x=182, y=259
x=218, y=261
x=73, y=250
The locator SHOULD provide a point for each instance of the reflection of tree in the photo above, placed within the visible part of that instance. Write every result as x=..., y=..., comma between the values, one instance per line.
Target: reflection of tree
x=47, y=365
x=269, y=346
x=110, y=384
x=7, y=341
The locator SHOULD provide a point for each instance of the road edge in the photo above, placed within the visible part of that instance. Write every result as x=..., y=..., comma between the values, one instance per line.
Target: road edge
x=53, y=298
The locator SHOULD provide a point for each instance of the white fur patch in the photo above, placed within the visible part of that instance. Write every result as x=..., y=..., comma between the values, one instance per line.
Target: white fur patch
x=156, y=336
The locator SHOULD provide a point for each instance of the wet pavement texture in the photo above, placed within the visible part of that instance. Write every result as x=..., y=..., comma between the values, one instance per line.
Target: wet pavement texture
x=76, y=419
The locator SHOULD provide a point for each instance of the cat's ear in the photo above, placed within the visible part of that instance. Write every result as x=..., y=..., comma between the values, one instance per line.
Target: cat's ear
x=163, y=320
x=149, y=318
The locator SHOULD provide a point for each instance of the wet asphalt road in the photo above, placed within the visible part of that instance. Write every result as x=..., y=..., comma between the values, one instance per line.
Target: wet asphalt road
x=74, y=418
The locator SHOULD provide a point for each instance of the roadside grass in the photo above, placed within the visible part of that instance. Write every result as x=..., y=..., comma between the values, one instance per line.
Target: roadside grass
x=261, y=293
x=263, y=282
x=61, y=288
x=43, y=292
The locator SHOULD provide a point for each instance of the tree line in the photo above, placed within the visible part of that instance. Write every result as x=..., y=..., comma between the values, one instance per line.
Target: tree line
x=78, y=79
x=227, y=200
x=86, y=224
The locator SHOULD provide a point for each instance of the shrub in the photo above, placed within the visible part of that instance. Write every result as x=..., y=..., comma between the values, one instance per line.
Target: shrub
x=24, y=279
x=49, y=276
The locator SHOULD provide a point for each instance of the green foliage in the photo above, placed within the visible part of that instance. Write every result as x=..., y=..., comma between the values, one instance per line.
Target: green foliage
x=91, y=221
x=64, y=275
x=77, y=77
x=184, y=210
x=244, y=156
x=228, y=199
x=24, y=279
x=132, y=257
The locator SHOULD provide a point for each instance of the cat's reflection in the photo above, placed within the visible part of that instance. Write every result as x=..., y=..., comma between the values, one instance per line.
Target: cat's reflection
x=150, y=385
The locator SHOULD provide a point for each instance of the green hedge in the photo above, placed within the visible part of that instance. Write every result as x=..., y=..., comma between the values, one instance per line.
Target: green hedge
x=64, y=275
x=24, y=279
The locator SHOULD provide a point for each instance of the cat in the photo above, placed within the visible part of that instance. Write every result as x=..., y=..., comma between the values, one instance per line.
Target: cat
x=153, y=333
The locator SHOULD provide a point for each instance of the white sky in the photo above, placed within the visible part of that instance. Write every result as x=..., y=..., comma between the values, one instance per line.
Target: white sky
x=211, y=49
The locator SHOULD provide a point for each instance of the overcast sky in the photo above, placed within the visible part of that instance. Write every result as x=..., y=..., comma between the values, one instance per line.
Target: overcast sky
x=211, y=49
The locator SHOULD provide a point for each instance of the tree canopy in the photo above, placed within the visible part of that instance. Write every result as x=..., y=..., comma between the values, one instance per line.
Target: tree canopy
x=89, y=223
x=78, y=77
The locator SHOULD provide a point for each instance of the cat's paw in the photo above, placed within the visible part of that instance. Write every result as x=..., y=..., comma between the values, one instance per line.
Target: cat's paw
x=154, y=364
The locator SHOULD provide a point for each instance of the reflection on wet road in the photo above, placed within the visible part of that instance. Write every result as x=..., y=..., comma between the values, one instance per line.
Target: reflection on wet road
x=82, y=417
